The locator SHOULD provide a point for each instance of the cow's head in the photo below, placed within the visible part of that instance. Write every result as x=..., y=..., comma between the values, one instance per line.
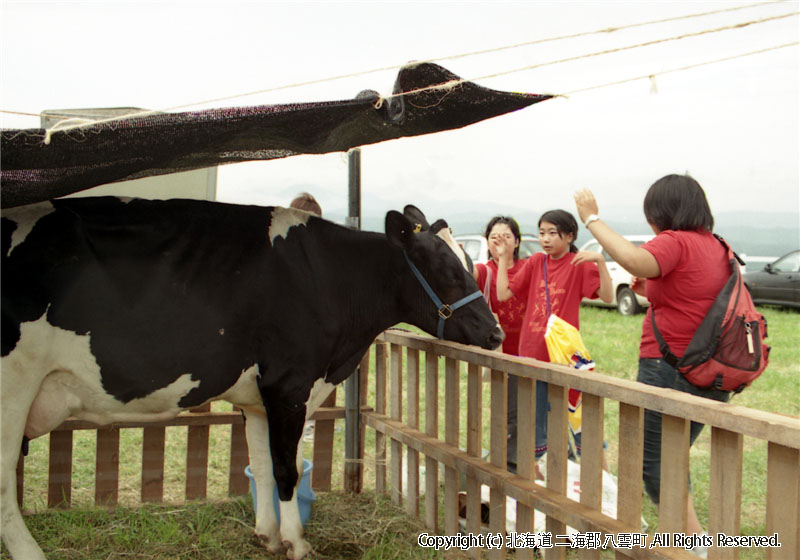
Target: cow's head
x=439, y=293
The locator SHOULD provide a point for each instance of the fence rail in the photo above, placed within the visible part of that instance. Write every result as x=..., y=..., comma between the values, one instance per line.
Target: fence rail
x=198, y=421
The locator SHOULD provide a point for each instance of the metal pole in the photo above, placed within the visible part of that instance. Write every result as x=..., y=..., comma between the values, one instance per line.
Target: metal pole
x=352, y=470
x=354, y=189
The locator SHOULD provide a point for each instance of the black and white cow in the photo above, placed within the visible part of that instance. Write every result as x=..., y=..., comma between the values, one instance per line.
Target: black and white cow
x=125, y=310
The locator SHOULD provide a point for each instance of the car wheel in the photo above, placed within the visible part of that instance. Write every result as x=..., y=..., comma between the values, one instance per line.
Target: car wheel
x=626, y=302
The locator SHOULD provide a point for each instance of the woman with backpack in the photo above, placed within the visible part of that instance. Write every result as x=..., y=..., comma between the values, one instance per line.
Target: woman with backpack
x=681, y=272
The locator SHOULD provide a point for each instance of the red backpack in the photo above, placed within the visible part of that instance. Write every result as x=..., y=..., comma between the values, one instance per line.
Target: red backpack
x=728, y=350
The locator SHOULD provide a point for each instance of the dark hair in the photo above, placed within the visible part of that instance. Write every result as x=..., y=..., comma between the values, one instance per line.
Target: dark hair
x=678, y=202
x=305, y=201
x=565, y=224
x=512, y=224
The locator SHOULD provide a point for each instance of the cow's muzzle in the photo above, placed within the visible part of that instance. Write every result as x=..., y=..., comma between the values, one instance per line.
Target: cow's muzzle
x=496, y=338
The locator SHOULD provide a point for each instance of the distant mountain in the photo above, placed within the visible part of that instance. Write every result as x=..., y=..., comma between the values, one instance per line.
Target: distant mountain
x=751, y=233
x=755, y=234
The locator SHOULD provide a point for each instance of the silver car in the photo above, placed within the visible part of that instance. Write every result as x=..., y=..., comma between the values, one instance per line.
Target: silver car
x=625, y=299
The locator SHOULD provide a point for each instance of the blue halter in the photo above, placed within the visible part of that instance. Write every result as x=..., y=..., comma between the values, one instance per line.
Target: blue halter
x=445, y=311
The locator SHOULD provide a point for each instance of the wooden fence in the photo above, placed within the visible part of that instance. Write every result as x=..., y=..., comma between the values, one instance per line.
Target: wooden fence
x=403, y=431
x=198, y=421
x=729, y=425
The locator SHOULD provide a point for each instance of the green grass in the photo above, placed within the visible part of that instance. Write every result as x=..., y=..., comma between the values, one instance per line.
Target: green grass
x=341, y=527
x=222, y=528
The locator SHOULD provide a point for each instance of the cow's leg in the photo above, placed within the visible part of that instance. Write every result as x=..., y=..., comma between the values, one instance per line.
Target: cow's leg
x=17, y=392
x=291, y=524
x=285, y=419
x=261, y=467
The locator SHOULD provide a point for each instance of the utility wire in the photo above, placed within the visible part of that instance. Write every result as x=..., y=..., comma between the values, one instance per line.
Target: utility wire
x=72, y=123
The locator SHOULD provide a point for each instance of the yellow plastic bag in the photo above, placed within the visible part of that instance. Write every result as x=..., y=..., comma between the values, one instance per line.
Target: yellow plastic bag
x=565, y=346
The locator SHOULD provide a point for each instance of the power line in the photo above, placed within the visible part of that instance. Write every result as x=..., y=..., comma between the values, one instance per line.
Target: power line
x=70, y=124
x=682, y=68
x=453, y=83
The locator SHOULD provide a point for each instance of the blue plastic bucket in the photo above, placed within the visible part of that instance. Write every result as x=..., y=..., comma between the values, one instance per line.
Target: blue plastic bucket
x=305, y=495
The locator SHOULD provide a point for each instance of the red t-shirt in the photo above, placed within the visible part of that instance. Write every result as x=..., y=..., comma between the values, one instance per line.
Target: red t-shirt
x=509, y=312
x=694, y=267
x=568, y=285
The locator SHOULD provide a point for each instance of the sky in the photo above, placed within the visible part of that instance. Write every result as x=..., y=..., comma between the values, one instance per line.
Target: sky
x=732, y=125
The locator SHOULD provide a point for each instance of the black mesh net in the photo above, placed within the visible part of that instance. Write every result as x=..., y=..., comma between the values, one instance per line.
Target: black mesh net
x=132, y=148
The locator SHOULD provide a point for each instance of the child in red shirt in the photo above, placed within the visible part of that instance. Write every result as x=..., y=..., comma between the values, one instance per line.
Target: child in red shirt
x=571, y=276
x=510, y=313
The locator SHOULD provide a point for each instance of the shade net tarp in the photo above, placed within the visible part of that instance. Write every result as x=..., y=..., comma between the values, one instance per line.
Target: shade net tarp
x=107, y=152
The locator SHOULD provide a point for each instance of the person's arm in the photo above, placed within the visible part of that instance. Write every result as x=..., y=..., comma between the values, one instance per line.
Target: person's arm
x=606, y=291
x=505, y=255
x=639, y=262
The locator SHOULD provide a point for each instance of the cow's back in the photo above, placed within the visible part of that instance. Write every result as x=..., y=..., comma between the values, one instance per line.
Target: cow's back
x=161, y=289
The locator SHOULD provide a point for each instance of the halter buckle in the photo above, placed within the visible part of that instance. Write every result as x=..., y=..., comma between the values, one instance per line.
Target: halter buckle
x=445, y=312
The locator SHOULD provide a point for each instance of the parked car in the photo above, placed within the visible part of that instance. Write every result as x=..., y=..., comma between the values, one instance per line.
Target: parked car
x=625, y=299
x=778, y=283
x=476, y=246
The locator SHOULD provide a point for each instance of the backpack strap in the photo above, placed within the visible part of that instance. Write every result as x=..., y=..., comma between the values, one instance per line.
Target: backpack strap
x=731, y=252
x=669, y=357
x=546, y=289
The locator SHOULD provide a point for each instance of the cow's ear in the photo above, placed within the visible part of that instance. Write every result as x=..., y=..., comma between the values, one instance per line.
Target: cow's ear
x=416, y=216
x=399, y=230
x=437, y=226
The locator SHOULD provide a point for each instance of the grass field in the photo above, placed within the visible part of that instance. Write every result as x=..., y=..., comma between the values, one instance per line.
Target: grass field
x=363, y=526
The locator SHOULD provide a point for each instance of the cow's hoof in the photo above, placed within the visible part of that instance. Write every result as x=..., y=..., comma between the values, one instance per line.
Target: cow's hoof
x=271, y=544
x=297, y=550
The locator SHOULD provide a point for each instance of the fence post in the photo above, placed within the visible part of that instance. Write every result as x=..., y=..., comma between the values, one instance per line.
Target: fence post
x=474, y=448
x=363, y=376
x=591, y=459
x=629, y=468
x=498, y=448
x=451, y=390
x=557, y=442
x=674, y=495
x=238, y=484
x=59, y=488
x=783, y=499
x=431, y=429
x=197, y=459
x=725, y=494
x=396, y=413
x=412, y=419
x=526, y=449
x=153, y=443
x=323, y=446
x=107, y=474
x=381, y=365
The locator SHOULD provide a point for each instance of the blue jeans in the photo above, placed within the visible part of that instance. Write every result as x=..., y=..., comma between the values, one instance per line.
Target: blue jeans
x=658, y=373
x=540, y=438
